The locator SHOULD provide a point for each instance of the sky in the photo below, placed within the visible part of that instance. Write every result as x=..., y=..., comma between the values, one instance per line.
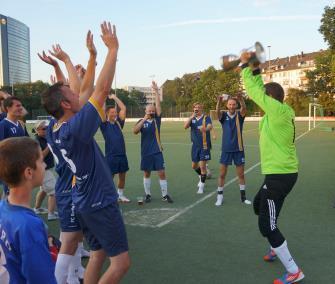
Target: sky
x=163, y=40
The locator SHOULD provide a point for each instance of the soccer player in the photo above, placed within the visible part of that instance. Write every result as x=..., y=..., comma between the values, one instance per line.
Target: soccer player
x=49, y=181
x=115, y=148
x=279, y=164
x=232, y=144
x=200, y=125
x=151, y=149
x=24, y=250
x=68, y=265
x=94, y=193
x=11, y=125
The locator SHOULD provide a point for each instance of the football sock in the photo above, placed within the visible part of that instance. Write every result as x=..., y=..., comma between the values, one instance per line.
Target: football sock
x=285, y=257
x=203, y=178
x=163, y=185
x=147, y=185
x=242, y=191
x=198, y=171
x=220, y=190
x=74, y=267
x=62, y=266
x=120, y=191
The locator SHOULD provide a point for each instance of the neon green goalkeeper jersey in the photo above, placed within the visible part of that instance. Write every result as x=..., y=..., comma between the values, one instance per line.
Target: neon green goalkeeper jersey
x=277, y=128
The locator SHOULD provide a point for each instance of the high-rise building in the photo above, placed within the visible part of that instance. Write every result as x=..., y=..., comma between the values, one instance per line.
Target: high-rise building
x=14, y=52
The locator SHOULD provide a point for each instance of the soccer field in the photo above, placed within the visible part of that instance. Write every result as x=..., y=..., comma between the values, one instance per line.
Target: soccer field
x=193, y=241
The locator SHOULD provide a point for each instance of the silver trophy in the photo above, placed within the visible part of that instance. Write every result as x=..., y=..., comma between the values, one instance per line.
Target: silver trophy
x=231, y=61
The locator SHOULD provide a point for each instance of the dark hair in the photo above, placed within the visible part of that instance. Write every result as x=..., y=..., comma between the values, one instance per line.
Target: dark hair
x=9, y=102
x=17, y=154
x=108, y=108
x=51, y=100
x=275, y=91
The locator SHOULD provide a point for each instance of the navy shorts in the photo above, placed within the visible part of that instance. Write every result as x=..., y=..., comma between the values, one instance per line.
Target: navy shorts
x=67, y=215
x=104, y=229
x=200, y=154
x=228, y=157
x=117, y=164
x=153, y=162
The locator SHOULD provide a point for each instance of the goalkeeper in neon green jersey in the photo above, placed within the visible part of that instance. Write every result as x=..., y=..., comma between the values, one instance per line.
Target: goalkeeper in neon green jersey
x=279, y=164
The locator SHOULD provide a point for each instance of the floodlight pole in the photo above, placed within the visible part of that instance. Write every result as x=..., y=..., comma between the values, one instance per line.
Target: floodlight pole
x=309, y=116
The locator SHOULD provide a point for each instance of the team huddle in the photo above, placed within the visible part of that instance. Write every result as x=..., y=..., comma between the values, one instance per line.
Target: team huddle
x=85, y=194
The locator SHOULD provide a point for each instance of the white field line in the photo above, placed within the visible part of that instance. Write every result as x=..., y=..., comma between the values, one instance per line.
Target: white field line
x=184, y=210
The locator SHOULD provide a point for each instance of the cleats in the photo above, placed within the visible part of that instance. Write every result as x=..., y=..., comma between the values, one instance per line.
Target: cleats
x=248, y=202
x=123, y=199
x=167, y=198
x=147, y=198
x=290, y=278
x=200, y=190
x=40, y=210
x=219, y=200
x=270, y=256
x=53, y=216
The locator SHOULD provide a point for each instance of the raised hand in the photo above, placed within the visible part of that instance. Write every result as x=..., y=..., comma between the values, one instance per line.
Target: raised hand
x=154, y=87
x=90, y=44
x=59, y=53
x=109, y=36
x=47, y=59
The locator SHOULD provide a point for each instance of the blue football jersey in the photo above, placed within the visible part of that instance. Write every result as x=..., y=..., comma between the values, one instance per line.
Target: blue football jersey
x=197, y=136
x=63, y=186
x=24, y=249
x=150, y=137
x=114, y=140
x=3, y=115
x=94, y=187
x=232, y=132
x=11, y=129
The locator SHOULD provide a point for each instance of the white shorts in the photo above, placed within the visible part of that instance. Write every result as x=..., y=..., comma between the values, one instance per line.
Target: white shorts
x=49, y=182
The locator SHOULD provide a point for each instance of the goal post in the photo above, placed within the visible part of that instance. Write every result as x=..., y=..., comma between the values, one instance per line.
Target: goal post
x=313, y=110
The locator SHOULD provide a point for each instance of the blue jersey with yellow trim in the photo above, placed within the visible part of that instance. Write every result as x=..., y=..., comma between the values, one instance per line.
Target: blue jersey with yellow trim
x=232, y=132
x=150, y=136
x=24, y=249
x=63, y=187
x=197, y=137
x=11, y=129
x=94, y=187
x=114, y=140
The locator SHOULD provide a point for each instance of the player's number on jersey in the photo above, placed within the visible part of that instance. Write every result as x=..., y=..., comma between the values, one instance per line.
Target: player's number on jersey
x=69, y=161
x=4, y=275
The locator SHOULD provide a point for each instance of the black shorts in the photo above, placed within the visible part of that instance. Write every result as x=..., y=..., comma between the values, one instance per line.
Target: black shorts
x=270, y=198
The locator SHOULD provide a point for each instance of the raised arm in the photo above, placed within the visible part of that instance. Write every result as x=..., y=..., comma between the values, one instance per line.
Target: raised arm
x=87, y=85
x=218, y=107
x=121, y=105
x=155, y=90
x=63, y=56
x=188, y=122
x=243, y=109
x=106, y=75
x=51, y=61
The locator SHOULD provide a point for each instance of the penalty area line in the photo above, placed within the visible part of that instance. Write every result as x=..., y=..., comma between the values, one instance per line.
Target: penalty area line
x=183, y=211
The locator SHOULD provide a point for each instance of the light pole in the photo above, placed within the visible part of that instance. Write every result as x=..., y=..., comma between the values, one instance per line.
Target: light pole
x=269, y=68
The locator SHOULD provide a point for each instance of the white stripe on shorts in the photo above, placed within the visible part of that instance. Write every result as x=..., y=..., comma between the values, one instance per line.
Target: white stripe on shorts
x=272, y=211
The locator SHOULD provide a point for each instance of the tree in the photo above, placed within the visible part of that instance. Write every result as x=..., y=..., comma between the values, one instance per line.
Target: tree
x=327, y=28
x=299, y=101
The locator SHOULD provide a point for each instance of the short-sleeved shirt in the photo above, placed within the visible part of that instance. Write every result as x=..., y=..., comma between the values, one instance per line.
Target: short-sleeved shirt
x=3, y=115
x=198, y=138
x=94, y=187
x=150, y=137
x=11, y=129
x=24, y=249
x=114, y=140
x=49, y=159
x=232, y=127
x=63, y=186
